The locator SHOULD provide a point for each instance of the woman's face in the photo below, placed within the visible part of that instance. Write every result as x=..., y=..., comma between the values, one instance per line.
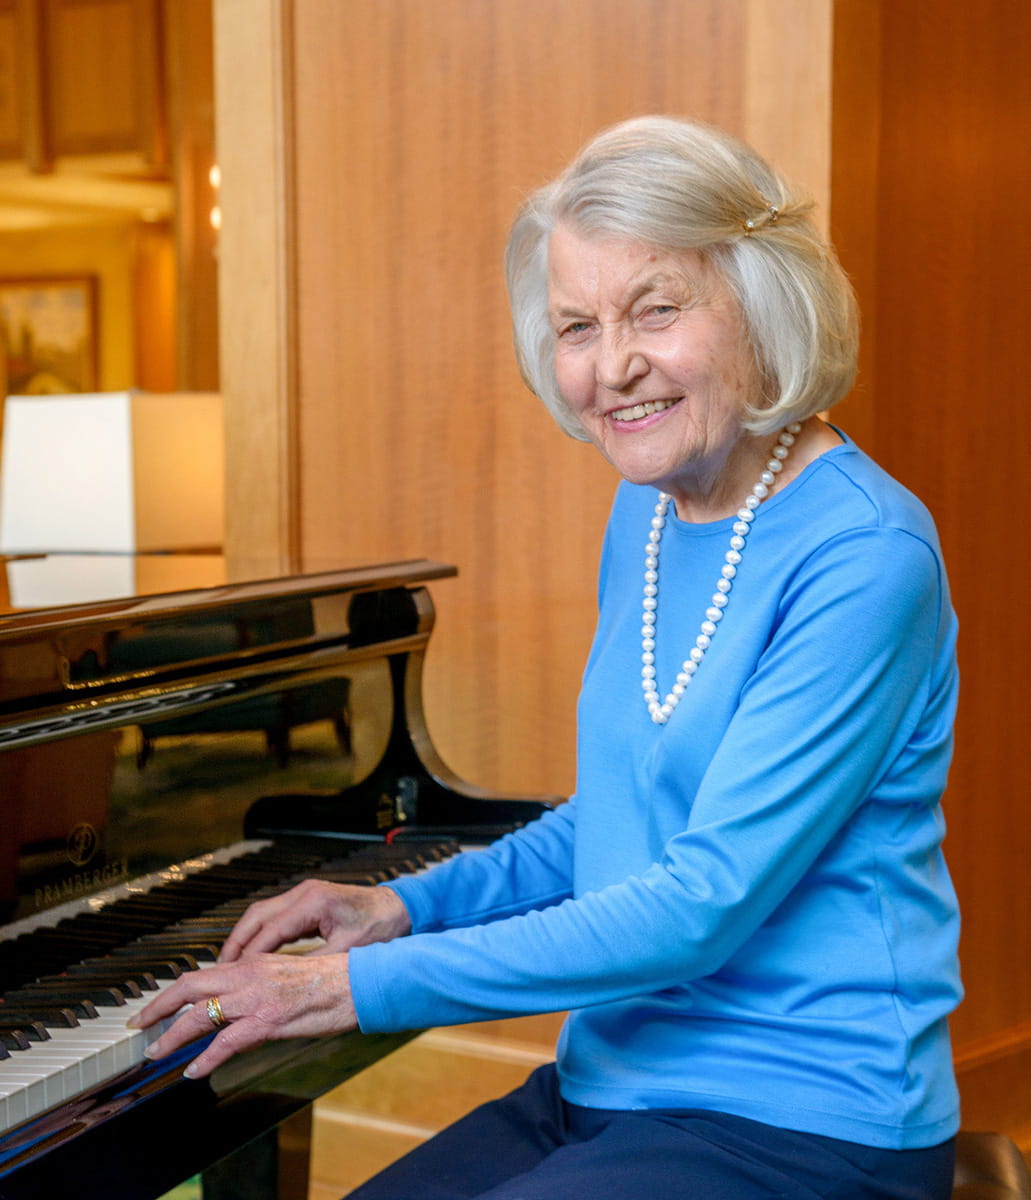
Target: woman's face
x=652, y=357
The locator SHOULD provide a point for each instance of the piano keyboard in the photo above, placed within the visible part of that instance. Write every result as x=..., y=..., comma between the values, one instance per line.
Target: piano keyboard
x=72, y=982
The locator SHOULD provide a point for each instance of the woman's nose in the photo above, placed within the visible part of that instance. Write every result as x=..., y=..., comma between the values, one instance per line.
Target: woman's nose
x=620, y=362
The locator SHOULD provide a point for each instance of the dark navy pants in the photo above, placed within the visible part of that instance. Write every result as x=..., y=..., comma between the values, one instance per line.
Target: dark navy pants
x=532, y=1145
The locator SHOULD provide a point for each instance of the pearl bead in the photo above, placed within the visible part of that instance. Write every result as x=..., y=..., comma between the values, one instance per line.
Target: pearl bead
x=660, y=713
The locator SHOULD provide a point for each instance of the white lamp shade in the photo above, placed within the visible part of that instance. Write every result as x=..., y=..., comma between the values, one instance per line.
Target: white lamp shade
x=118, y=472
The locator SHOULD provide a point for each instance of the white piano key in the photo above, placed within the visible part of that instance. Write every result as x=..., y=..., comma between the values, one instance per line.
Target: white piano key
x=62, y=1072
x=48, y=1073
x=14, y=1106
x=32, y=1085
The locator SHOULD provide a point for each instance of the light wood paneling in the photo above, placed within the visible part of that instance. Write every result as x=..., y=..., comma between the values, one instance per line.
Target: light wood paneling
x=786, y=86
x=258, y=312
x=418, y=128
x=361, y=278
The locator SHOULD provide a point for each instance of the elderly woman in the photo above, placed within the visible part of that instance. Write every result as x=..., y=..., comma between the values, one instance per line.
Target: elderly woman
x=745, y=905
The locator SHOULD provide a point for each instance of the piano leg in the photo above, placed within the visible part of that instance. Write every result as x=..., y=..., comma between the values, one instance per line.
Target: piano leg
x=272, y=1167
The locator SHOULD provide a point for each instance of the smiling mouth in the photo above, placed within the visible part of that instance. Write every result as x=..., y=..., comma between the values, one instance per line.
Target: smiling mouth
x=637, y=411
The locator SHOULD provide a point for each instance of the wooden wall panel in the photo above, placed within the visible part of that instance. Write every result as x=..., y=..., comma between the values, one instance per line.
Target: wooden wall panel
x=257, y=308
x=417, y=129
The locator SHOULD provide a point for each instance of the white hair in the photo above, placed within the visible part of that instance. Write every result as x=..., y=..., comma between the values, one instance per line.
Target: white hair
x=681, y=185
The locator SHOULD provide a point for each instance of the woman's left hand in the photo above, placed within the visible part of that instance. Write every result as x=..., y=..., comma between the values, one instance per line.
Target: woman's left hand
x=265, y=998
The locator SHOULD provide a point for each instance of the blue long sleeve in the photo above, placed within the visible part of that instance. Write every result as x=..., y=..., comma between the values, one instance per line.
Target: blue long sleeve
x=760, y=917
x=530, y=869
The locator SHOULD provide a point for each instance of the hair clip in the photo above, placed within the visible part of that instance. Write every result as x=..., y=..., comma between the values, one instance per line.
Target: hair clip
x=751, y=226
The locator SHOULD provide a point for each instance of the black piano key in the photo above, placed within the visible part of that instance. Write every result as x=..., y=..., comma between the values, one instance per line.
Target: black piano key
x=51, y=1017
x=45, y=1004
x=358, y=878
x=160, y=905
x=35, y=1031
x=169, y=945
x=14, y=1039
x=71, y=993
x=145, y=955
x=75, y=946
x=214, y=932
x=157, y=968
x=110, y=973
x=108, y=921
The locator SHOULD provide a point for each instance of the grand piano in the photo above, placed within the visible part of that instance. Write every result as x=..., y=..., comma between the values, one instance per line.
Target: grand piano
x=175, y=742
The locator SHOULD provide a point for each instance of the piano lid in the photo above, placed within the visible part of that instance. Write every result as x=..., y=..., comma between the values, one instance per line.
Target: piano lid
x=140, y=721
x=44, y=587
x=78, y=627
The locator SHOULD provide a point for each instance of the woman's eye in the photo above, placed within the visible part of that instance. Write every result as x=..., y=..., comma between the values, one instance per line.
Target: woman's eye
x=659, y=312
x=574, y=329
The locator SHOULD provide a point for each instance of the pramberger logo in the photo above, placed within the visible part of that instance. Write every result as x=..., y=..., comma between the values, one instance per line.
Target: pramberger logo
x=82, y=844
x=82, y=883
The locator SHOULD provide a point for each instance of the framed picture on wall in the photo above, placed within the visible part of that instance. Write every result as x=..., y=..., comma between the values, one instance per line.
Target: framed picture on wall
x=48, y=335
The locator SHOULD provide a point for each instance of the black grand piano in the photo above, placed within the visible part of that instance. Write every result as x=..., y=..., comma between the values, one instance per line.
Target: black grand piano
x=173, y=744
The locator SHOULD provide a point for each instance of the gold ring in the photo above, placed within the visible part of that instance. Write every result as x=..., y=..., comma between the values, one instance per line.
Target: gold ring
x=215, y=1014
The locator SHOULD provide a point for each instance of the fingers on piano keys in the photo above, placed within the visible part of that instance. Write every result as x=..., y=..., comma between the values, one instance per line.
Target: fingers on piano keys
x=75, y=984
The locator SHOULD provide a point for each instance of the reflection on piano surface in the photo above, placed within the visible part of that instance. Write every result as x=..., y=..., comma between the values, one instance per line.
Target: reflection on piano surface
x=164, y=759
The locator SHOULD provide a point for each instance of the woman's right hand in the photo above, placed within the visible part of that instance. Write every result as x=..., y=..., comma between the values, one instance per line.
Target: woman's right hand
x=343, y=915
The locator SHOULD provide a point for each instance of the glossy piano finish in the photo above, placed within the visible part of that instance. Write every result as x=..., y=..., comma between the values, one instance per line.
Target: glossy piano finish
x=141, y=1131
x=138, y=1136
x=106, y=705
x=164, y=724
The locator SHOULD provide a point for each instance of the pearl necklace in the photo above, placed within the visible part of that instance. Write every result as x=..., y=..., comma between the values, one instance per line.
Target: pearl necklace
x=661, y=712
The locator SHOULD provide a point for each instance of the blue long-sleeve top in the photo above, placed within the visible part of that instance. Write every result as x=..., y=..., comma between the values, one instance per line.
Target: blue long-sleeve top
x=746, y=909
